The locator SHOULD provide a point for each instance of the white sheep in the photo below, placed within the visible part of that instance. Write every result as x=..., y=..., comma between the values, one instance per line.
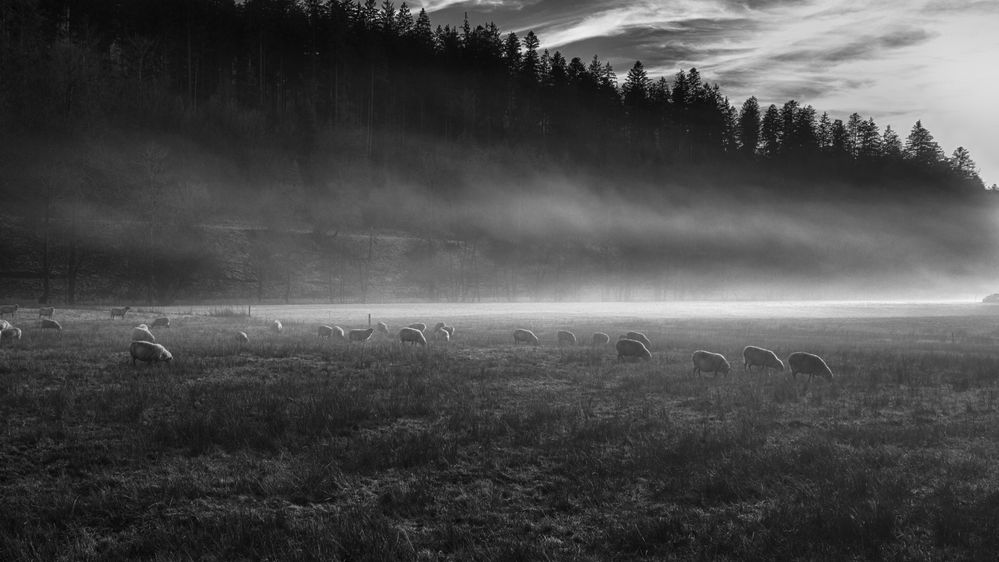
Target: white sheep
x=46, y=311
x=382, y=328
x=441, y=334
x=638, y=336
x=10, y=333
x=9, y=309
x=161, y=322
x=149, y=352
x=276, y=326
x=757, y=356
x=808, y=364
x=361, y=335
x=446, y=328
x=600, y=338
x=49, y=324
x=5, y=324
x=708, y=362
x=565, y=337
x=418, y=326
x=241, y=337
x=142, y=333
x=338, y=332
x=412, y=336
x=325, y=332
x=119, y=312
x=627, y=348
x=526, y=336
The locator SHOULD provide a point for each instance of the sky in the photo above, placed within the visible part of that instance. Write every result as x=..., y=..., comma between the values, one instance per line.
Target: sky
x=894, y=60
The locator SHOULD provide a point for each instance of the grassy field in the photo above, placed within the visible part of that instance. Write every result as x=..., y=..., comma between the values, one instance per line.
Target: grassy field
x=291, y=447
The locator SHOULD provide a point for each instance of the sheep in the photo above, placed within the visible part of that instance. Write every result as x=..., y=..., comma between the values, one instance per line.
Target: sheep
x=808, y=364
x=632, y=348
x=5, y=324
x=116, y=312
x=10, y=333
x=338, y=332
x=753, y=356
x=161, y=322
x=382, y=328
x=149, y=352
x=707, y=362
x=600, y=338
x=446, y=328
x=46, y=311
x=638, y=336
x=565, y=337
x=418, y=326
x=361, y=335
x=49, y=324
x=526, y=336
x=9, y=309
x=411, y=336
x=325, y=332
x=276, y=326
x=441, y=334
x=142, y=333
x=241, y=337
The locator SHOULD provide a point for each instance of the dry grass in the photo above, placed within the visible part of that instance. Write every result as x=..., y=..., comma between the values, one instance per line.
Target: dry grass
x=292, y=447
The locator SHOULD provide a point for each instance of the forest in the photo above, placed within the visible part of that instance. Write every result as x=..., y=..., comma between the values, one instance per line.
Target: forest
x=354, y=151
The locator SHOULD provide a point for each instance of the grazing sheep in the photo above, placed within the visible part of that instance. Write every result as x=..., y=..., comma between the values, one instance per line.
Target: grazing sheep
x=10, y=333
x=276, y=326
x=161, y=322
x=441, y=334
x=412, y=336
x=49, y=324
x=382, y=328
x=526, y=336
x=600, y=338
x=632, y=348
x=808, y=364
x=338, y=332
x=142, y=333
x=9, y=309
x=707, y=362
x=418, y=326
x=46, y=311
x=361, y=335
x=757, y=356
x=325, y=332
x=446, y=328
x=149, y=352
x=241, y=337
x=565, y=337
x=5, y=324
x=638, y=336
x=119, y=312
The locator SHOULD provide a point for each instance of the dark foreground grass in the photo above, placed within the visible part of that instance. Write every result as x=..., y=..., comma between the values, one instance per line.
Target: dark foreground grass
x=295, y=448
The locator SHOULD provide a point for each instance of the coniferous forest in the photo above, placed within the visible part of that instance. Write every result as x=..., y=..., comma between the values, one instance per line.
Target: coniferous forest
x=357, y=151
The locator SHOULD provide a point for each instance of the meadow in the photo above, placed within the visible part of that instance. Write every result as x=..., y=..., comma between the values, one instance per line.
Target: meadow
x=296, y=448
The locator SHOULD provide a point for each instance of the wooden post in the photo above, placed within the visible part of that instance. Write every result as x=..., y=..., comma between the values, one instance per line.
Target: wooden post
x=369, y=319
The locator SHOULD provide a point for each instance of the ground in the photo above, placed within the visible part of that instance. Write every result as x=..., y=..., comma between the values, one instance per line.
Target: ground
x=293, y=447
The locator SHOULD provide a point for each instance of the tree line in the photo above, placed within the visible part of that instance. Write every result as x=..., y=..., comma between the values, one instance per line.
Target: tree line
x=289, y=71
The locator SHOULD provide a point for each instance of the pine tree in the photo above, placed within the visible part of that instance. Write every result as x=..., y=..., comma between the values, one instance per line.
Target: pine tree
x=423, y=32
x=839, y=140
x=869, y=140
x=891, y=145
x=962, y=163
x=576, y=71
x=530, y=61
x=824, y=132
x=511, y=52
x=636, y=87
x=853, y=133
x=920, y=146
x=770, y=131
x=386, y=17
x=404, y=21
x=749, y=126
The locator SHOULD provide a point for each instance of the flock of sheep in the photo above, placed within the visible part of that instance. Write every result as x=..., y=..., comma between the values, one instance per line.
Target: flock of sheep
x=632, y=345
